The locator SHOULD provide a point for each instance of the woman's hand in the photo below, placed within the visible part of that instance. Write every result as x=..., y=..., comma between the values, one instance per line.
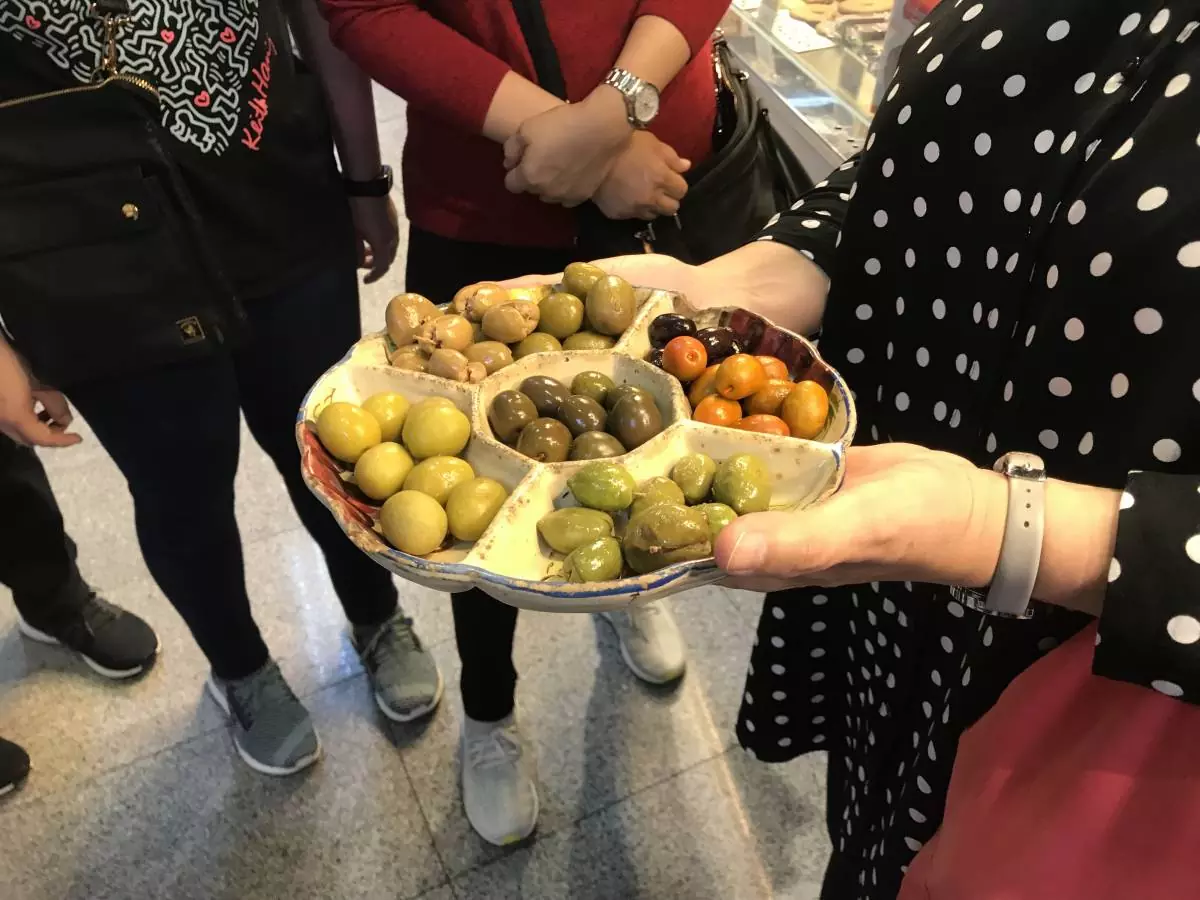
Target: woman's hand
x=20, y=397
x=645, y=182
x=904, y=513
x=563, y=155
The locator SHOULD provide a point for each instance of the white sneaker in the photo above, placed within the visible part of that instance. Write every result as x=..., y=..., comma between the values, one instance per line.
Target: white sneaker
x=499, y=781
x=650, y=642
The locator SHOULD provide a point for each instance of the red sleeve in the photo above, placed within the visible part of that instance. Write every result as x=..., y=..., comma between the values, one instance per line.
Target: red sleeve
x=425, y=61
x=695, y=19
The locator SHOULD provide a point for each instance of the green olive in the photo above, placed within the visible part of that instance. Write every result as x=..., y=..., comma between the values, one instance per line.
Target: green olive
x=592, y=384
x=595, y=445
x=538, y=342
x=718, y=514
x=436, y=427
x=694, y=474
x=472, y=505
x=666, y=534
x=571, y=527
x=437, y=476
x=605, y=486
x=380, y=472
x=599, y=560
x=579, y=277
x=588, y=340
x=413, y=522
x=610, y=305
x=562, y=315
x=347, y=431
x=654, y=491
x=743, y=482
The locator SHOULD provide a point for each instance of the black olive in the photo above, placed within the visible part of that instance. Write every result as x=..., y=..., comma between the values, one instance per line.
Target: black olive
x=668, y=326
x=719, y=342
x=655, y=356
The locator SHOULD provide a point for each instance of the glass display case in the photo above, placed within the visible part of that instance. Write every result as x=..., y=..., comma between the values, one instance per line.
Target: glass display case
x=818, y=66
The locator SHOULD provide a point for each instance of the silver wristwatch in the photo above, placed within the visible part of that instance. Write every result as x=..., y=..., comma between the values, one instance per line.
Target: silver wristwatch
x=641, y=97
x=1021, y=552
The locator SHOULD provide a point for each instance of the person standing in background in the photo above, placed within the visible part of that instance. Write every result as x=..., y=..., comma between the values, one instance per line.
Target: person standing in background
x=252, y=137
x=493, y=166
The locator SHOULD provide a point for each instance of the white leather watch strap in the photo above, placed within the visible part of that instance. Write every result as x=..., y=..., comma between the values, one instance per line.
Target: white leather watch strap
x=1021, y=552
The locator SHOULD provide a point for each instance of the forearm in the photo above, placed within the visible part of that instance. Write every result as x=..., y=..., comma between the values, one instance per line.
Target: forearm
x=347, y=88
x=772, y=280
x=655, y=51
x=516, y=99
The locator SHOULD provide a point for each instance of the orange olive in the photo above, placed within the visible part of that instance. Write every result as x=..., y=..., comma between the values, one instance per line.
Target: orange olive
x=768, y=399
x=685, y=358
x=714, y=410
x=806, y=409
x=703, y=386
x=764, y=424
x=774, y=367
x=740, y=376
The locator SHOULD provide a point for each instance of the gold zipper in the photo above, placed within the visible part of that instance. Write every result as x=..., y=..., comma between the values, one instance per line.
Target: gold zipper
x=83, y=88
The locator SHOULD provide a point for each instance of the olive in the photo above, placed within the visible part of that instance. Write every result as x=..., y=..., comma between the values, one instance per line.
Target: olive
x=718, y=514
x=666, y=534
x=562, y=315
x=438, y=476
x=598, y=561
x=592, y=384
x=413, y=522
x=621, y=391
x=634, y=420
x=509, y=413
x=449, y=364
x=588, y=340
x=611, y=305
x=668, y=326
x=654, y=491
x=538, y=342
x=655, y=357
x=546, y=394
x=581, y=414
x=472, y=505
x=390, y=410
x=476, y=299
x=347, y=431
x=410, y=358
x=445, y=332
x=595, y=445
x=579, y=277
x=606, y=486
x=405, y=314
x=546, y=440
x=493, y=354
x=694, y=474
x=510, y=322
x=743, y=483
x=435, y=427
x=719, y=342
x=571, y=527
x=533, y=293
x=380, y=471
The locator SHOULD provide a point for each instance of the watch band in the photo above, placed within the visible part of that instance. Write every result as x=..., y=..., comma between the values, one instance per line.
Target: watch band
x=1021, y=551
x=631, y=87
x=379, y=186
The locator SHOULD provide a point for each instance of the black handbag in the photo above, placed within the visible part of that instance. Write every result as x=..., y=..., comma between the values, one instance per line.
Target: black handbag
x=750, y=175
x=104, y=266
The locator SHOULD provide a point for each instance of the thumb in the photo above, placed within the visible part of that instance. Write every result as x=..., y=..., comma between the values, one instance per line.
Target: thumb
x=514, y=149
x=56, y=406
x=790, y=544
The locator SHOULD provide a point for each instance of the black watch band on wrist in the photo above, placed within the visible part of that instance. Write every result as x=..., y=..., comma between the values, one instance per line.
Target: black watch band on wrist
x=379, y=186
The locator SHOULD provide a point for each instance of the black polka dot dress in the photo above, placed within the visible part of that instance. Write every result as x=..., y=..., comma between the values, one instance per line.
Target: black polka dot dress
x=1015, y=265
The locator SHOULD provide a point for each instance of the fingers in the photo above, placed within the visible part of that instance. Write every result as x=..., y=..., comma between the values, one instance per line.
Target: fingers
x=673, y=159
x=673, y=185
x=30, y=431
x=516, y=182
x=792, y=545
x=56, y=406
x=514, y=149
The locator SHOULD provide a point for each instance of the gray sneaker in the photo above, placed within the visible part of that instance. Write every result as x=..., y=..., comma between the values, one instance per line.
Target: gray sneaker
x=271, y=728
x=404, y=675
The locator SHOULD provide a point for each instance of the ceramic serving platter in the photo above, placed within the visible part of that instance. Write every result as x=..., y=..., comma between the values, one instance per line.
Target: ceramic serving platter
x=509, y=561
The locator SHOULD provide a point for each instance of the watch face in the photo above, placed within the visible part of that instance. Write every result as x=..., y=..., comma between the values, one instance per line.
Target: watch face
x=645, y=104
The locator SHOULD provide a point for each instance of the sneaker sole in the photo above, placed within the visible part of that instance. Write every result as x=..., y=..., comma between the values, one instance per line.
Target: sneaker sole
x=419, y=712
x=637, y=670
x=509, y=839
x=115, y=674
x=258, y=766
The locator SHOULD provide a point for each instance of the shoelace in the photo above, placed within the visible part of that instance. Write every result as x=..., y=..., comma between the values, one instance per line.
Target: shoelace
x=98, y=612
x=496, y=748
x=392, y=642
x=262, y=698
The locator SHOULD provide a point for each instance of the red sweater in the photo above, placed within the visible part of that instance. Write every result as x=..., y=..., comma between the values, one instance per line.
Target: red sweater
x=447, y=57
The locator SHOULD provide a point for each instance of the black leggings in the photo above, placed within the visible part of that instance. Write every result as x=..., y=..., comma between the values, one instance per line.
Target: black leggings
x=37, y=558
x=437, y=267
x=174, y=431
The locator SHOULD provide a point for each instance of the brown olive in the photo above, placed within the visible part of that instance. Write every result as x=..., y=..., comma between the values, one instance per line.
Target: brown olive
x=493, y=354
x=581, y=414
x=410, y=358
x=617, y=394
x=634, y=420
x=405, y=314
x=510, y=322
x=546, y=394
x=596, y=445
x=476, y=299
x=449, y=364
x=509, y=412
x=592, y=384
x=611, y=305
x=538, y=342
x=546, y=440
x=445, y=333
x=588, y=340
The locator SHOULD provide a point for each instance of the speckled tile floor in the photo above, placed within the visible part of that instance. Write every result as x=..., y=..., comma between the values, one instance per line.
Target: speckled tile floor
x=136, y=793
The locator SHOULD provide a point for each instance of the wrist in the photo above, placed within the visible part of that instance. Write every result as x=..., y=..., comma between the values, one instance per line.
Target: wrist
x=605, y=105
x=1081, y=535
